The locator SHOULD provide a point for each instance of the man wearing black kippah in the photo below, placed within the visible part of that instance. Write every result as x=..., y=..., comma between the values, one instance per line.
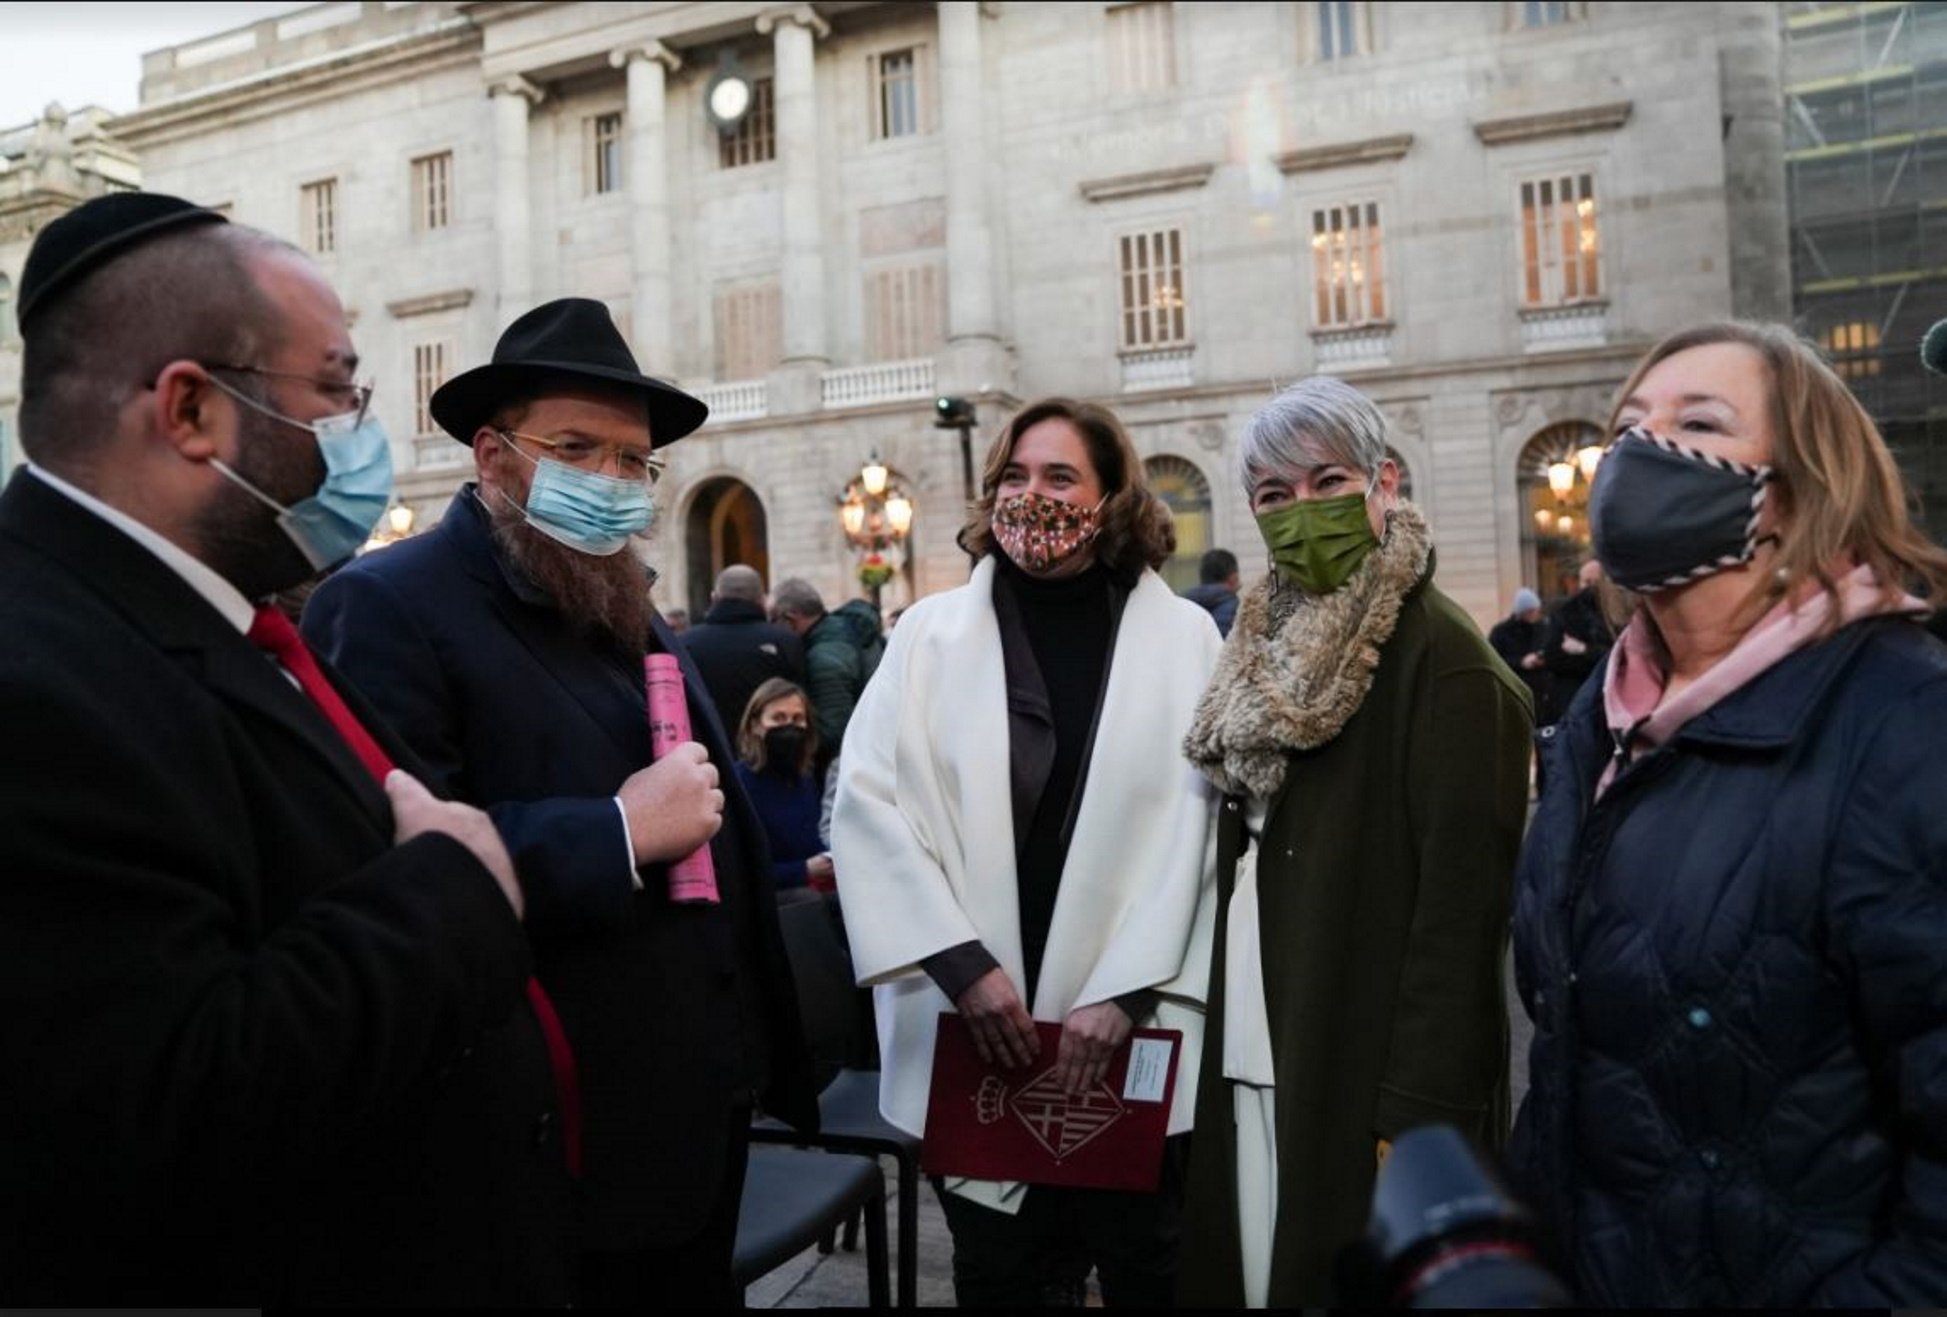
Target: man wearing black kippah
x=267, y=1027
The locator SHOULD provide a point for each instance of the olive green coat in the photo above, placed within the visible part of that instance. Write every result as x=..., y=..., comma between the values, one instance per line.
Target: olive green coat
x=1384, y=884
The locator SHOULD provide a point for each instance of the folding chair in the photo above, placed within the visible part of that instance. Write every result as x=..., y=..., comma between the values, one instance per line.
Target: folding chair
x=792, y=1199
x=848, y=1107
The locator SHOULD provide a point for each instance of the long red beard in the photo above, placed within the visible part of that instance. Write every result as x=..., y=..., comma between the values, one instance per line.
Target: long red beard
x=604, y=595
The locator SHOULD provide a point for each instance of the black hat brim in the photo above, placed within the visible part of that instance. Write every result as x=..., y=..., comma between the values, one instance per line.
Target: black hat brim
x=468, y=401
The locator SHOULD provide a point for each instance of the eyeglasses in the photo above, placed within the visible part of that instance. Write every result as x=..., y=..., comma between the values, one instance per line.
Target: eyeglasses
x=358, y=396
x=630, y=463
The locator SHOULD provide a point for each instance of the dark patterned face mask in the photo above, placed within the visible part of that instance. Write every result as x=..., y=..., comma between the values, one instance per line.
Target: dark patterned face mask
x=1039, y=533
x=1661, y=514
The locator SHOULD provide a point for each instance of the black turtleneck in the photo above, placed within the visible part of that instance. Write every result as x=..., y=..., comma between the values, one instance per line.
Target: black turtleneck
x=1068, y=625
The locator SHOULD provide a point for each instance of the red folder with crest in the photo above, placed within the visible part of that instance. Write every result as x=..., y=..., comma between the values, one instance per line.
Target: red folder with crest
x=994, y=1123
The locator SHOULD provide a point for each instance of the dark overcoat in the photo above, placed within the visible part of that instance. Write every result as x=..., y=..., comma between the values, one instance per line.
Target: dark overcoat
x=251, y=1052
x=1736, y=962
x=1384, y=881
x=674, y=1011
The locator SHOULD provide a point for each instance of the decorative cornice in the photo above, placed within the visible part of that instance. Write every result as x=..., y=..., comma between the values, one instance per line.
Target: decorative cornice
x=803, y=15
x=277, y=89
x=515, y=85
x=429, y=303
x=1341, y=154
x=1554, y=123
x=647, y=50
x=1152, y=180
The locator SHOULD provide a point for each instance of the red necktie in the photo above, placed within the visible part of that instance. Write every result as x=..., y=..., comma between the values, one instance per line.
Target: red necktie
x=272, y=632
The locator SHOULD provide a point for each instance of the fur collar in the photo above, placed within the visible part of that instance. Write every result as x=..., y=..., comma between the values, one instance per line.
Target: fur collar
x=1298, y=666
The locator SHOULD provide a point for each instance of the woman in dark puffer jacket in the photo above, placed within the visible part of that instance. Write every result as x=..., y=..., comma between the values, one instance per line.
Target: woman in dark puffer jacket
x=1731, y=911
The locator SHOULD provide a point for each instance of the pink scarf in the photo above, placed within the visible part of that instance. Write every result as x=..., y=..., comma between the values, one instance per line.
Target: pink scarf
x=1632, y=688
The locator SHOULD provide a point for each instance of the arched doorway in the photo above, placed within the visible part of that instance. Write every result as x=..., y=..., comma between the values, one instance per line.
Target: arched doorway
x=1181, y=486
x=1553, y=479
x=726, y=526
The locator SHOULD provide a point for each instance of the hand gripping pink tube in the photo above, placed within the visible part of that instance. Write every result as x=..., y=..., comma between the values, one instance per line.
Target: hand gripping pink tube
x=692, y=879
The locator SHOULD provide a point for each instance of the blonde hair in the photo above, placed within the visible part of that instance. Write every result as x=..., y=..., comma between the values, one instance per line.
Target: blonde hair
x=1839, y=493
x=750, y=737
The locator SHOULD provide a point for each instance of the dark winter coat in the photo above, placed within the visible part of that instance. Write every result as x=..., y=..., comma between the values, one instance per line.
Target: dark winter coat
x=1736, y=962
x=841, y=650
x=675, y=1011
x=254, y=1053
x=1514, y=638
x=1219, y=600
x=1581, y=616
x=737, y=651
x=1384, y=879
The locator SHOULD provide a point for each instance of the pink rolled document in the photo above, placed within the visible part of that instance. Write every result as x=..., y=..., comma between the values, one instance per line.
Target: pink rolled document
x=692, y=879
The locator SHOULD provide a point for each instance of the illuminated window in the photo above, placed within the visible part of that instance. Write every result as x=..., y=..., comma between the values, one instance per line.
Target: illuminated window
x=1186, y=492
x=1150, y=264
x=1853, y=348
x=1348, y=265
x=1561, y=247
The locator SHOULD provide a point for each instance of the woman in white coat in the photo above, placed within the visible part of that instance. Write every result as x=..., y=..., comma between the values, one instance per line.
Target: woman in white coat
x=1018, y=838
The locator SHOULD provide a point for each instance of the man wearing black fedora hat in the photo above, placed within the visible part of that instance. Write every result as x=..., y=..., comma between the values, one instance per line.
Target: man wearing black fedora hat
x=507, y=646
x=265, y=1030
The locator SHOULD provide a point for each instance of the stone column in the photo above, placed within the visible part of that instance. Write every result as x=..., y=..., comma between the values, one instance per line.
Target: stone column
x=792, y=28
x=647, y=66
x=512, y=98
x=975, y=361
x=1750, y=74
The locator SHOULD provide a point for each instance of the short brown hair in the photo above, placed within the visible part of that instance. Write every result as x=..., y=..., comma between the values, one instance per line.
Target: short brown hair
x=1836, y=481
x=750, y=741
x=1136, y=528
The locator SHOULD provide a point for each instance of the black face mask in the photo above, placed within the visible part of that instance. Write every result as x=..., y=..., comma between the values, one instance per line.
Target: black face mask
x=1661, y=514
x=784, y=749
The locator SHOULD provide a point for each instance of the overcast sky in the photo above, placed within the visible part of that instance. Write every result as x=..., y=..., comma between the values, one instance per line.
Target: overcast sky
x=91, y=54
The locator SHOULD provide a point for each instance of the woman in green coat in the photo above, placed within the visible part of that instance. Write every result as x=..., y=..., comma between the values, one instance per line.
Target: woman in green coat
x=1374, y=755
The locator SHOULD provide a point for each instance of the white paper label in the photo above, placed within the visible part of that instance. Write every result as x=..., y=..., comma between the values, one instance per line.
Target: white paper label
x=1149, y=1069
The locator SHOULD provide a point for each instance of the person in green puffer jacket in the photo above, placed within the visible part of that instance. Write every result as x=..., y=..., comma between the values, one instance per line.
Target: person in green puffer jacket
x=842, y=651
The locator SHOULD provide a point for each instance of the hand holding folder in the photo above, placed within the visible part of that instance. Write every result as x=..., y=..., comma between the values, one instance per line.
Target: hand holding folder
x=1020, y=1124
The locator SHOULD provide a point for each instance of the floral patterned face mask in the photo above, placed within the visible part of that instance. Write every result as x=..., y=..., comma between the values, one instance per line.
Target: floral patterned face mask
x=1039, y=533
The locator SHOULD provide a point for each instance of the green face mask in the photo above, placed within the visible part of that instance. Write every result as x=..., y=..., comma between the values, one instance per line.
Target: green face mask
x=1316, y=544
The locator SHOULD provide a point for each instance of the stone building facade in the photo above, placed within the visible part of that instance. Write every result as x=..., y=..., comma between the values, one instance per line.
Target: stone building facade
x=47, y=168
x=1478, y=212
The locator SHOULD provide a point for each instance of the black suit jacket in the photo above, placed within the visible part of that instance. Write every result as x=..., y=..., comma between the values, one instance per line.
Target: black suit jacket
x=251, y=1052
x=675, y=1012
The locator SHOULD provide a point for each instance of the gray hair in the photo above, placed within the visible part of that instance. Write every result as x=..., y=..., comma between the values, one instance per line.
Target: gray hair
x=1317, y=422
x=739, y=581
x=798, y=598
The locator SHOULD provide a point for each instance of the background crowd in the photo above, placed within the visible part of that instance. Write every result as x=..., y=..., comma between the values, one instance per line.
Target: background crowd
x=416, y=954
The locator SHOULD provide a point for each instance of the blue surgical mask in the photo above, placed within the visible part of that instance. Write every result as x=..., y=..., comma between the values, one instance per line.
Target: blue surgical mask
x=329, y=526
x=584, y=509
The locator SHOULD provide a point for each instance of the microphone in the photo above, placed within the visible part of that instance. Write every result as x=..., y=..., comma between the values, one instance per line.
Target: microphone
x=1933, y=349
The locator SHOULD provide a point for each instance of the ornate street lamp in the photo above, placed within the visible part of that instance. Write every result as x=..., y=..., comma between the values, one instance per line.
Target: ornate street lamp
x=1588, y=458
x=876, y=514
